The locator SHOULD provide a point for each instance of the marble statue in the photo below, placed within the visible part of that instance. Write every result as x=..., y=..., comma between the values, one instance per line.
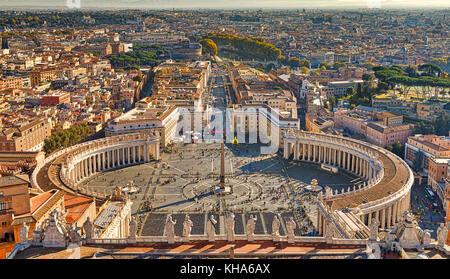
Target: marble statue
x=229, y=223
x=187, y=227
x=73, y=234
x=88, y=228
x=170, y=230
x=24, y=233
x=251, y=224
x=441, y=233
x=374, y=229
x=276, y=228
x=290, y=227
x=210, y=229
x=426, y=238
x=36, y=236
x=133, y=229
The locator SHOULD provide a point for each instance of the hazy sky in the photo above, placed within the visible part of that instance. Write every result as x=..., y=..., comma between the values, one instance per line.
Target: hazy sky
x=160, y=4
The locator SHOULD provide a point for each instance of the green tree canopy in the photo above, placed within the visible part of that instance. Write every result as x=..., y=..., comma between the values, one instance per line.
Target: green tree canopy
x=210, y=46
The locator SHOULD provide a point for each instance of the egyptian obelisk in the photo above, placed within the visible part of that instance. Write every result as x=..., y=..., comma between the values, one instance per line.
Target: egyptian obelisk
x=222, y=167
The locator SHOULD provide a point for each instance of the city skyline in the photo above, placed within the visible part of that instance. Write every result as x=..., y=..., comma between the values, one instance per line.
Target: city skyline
x=222, y=4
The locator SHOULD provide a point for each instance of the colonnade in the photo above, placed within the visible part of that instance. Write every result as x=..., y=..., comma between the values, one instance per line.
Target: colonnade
x=349, y=159
x=111, y=157
x=361, y=159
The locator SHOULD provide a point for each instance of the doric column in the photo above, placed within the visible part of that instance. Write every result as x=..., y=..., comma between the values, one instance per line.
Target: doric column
x=139, y=153
x=85, y=168
x=383, y=218
x=114, y=157
x=369, y=219
x=309, y=152
x=394, y=213
x=157, y=150
x=339, y=154
x=348, y=161
x=98, y=158
x=76, y=168
x=377, y=215
x=125, y=156
x=314, y=153
x=286, y=146
x=389, y=216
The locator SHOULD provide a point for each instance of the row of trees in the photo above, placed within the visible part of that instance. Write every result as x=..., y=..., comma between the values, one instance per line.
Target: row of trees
x=295, y=62
x=439, y=126
x=66, y=138
x=57, y=19
x=431, y=76
x=256, y=46
x=398, y=149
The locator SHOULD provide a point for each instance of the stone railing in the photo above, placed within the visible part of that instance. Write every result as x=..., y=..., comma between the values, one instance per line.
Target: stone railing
x=238, y=237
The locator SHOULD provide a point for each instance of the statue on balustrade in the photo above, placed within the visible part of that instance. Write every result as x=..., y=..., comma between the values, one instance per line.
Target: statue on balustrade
x=210, y=228
x=251, y=224
x=24, y=233
x=276, y=228
x=88, y=228
x=442, y=233
x=170, y=230
x=374, y=229
x=290, y=227
x=133, y=229
x=187, y=227
x=74, y=236
x=229, y=222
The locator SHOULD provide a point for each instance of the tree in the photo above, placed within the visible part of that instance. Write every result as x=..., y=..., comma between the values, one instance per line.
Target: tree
x=325, y=64
x=418, y=160
x=332, y=102
x=350, y=90
x=424, y=128
x=430, y=69
x=367, y=77
x=66, y=138
x=442, y=124
x=339, y=65
x=210, y=46
x=398, y=149
x=294, y=62
x=304, y=70
x=411, y=71
x=137, y=78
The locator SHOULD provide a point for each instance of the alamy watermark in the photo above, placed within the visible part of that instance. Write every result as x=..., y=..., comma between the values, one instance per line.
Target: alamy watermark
x=241, y=125
x=73, y=4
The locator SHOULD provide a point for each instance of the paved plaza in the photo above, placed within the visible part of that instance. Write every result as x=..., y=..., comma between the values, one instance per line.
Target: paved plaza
x=183, y=182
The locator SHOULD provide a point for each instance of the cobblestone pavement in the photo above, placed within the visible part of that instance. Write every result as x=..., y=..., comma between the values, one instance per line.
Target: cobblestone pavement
x=182, y=182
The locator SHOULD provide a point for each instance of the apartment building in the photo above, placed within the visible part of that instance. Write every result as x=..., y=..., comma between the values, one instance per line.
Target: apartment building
x=29, y=136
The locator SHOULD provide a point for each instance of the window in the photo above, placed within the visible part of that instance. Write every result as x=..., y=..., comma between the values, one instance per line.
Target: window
x=2, y=206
